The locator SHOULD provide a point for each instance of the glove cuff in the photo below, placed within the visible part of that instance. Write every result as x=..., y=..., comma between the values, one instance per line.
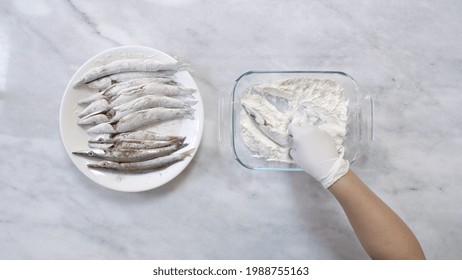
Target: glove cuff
x=339, y=168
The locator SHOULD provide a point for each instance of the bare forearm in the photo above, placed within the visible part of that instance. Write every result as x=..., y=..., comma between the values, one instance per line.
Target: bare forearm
x=381, y=232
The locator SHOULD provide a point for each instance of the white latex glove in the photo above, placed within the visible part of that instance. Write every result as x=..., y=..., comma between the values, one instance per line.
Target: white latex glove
x=315, y=152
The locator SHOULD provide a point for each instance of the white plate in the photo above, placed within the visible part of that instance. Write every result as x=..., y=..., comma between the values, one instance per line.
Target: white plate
x=75, y=137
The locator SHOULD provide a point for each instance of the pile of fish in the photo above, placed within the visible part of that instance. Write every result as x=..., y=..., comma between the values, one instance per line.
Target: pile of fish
x=133, y=95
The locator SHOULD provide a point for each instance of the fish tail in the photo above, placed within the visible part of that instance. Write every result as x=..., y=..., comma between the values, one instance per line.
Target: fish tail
x=183, y=66
x=182, y=145
x=189, y=113
x=179, y=140
x=189, y=91
x=190, y=102
x=187, y=153
x=79, y=83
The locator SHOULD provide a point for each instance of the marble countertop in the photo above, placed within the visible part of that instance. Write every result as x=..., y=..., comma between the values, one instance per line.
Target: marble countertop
x=405, y=54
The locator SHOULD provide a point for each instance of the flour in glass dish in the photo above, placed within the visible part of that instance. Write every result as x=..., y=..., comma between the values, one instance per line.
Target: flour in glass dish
x=268, y=109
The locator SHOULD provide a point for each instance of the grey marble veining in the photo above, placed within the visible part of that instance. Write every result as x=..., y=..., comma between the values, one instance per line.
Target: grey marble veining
x=405, y=54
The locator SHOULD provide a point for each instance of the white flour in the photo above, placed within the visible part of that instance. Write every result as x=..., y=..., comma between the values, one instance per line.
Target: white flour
x=268, y=109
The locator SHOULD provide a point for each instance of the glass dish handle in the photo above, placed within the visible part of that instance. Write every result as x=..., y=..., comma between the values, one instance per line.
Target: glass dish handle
x=224, y=122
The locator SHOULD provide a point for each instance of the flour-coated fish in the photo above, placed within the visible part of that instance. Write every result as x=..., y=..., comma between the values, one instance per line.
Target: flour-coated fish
x=113, y=89
x=147, y=102
x=265, y=124
x=141, y=119
x=132, y=93
x=128, y=65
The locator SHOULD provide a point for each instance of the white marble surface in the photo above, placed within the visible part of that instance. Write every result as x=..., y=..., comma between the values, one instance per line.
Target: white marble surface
x=406, y=54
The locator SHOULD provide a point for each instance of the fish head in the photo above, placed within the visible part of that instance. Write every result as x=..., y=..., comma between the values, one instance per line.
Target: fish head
x=102, y=138
x=87, y=153
x=103, y=165
x=256, y=116
x=102, y=128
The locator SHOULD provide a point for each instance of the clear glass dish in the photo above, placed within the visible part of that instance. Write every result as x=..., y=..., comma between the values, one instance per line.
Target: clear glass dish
x=359, y=123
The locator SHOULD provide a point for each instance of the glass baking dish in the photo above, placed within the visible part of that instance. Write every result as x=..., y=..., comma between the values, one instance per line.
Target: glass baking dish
x=359, y=123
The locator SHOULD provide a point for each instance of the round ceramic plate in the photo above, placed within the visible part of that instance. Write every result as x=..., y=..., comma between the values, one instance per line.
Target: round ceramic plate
x=75, y=137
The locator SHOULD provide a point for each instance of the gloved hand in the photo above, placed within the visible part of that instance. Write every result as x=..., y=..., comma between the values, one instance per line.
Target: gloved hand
x=314, y=151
